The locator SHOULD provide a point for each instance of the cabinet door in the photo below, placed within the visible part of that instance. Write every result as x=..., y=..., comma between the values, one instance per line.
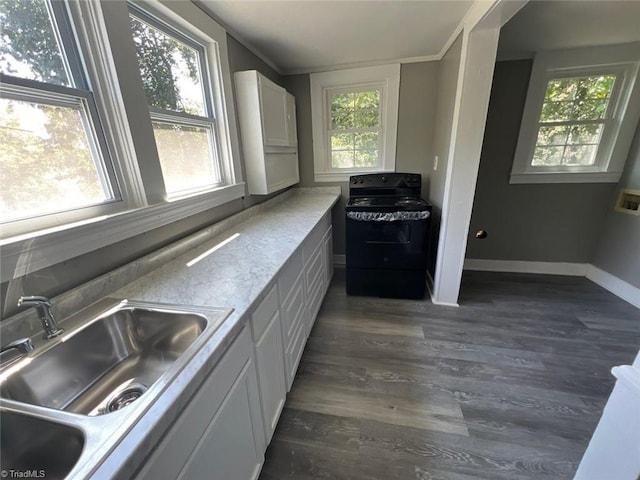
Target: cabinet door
x=270, y=362
x=273, y=104
x=267, y=338
x=227, y=449
x=220, y=431
x=292, y=129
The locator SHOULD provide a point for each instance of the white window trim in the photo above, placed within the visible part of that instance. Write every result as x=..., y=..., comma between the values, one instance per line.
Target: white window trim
x=624, y=61
x=27, y=253
x=387, y=76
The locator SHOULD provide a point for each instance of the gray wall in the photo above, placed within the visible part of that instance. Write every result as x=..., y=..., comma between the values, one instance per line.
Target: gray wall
x=618, y=250
x=533, y=222
x=416, y=119
x=59, y=278
x=447, y=82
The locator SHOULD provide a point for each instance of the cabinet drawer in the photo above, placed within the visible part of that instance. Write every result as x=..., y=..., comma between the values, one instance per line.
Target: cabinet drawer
x=293, y=310
x=315, y=237
x=316, y=294
x=314, y=269
x=265, y=311
x=294, y=352
x=288, y=277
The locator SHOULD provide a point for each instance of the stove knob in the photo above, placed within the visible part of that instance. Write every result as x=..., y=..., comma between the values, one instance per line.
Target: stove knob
x=383, y=179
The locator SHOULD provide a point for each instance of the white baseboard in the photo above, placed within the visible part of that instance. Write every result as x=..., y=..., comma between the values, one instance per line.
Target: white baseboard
x=339, y=259
x=609, y=282
x=517, y=266
x=615, y=285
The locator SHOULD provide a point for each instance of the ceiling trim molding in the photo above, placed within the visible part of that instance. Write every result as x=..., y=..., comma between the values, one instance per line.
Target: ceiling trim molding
x=249, y=46
x=472, y=17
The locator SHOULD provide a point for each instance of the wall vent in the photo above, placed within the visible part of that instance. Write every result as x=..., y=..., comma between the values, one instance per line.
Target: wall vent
x=629, y=202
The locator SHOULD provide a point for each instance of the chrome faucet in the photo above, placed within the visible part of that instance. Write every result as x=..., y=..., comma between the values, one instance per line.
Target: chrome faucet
x=43, y=307
x=22, y=346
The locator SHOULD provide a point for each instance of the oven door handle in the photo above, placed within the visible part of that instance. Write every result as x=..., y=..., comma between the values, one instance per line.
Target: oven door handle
x=387, y=243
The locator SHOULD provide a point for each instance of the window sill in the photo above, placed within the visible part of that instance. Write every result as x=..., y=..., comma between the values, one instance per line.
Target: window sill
x=553, y=177
x=344, y=176
x=29, y=253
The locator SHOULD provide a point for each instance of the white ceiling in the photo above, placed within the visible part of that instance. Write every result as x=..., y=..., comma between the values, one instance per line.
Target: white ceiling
x=552, y=25
x=310, y=35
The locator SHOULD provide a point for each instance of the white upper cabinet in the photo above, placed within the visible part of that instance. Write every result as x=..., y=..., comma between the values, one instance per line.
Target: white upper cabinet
x=267, y=116
x=273, y=107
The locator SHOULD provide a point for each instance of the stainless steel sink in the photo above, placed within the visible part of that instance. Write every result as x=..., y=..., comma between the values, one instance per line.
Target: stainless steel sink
x=65, y=405
x=30, y=443
x=110, y=359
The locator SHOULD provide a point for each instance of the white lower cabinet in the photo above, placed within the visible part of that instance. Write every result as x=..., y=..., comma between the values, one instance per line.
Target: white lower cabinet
x=220, y=434
x=267, y=338
x=224, y=431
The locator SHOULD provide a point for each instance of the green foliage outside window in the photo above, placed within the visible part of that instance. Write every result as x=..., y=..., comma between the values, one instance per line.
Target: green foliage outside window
x=572, y=120
x=169, y=70
x=355, y=129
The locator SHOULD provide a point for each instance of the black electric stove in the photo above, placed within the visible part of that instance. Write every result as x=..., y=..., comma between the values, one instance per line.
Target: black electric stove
x=387, y=236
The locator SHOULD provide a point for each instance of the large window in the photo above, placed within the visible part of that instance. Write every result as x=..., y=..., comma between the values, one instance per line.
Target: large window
x=355, y=119
x=581, y=109
x=85, y=159
x=175, y=77
x=355, y=128
x=53, y=154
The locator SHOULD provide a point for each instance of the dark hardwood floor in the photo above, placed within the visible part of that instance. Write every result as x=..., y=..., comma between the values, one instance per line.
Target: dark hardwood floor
x=510, y=385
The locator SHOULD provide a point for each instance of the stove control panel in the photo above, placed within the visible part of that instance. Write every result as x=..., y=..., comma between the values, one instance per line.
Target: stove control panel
x=386, y=180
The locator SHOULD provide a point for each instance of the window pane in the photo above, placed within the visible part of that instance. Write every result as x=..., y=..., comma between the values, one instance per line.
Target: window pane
x=47, y=165
x=547, y=156
x=185, y=157
x=366, y=158
x=595, y=87
x=589, y=109
x=170, y=70
x=342, y=158
x=579, y=155
x=556, y=111
x=560, y=89
x=367, y=109
x=581, y=134
x=368, y=140
x=552, y=135
x=342, y=111
x=28, y=45
x=342, y=141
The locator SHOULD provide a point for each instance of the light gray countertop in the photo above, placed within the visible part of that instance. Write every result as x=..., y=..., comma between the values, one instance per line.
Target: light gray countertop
x=235, y=274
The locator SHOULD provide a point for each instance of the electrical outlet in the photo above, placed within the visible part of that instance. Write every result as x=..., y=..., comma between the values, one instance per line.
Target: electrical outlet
x=435, y=162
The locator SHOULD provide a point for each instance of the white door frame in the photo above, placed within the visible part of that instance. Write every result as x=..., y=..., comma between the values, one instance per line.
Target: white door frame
x=475, y=74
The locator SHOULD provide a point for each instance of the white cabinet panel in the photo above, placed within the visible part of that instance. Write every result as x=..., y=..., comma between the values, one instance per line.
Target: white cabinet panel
x=266, y=113
x=292, y=129
x=199, y=434
x=227, y=450
x=274, y=109
x=270, y=360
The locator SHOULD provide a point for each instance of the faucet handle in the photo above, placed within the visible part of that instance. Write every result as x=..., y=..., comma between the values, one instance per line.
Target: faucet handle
x=43, y=307
x=32, y=300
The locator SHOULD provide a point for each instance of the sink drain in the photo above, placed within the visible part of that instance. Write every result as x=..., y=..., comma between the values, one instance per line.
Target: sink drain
x=125, y=396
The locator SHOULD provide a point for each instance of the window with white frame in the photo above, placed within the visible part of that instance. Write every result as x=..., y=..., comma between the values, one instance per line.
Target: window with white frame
x=354, y=115
x=580, y=113
x=175, y=77
x=55, y=166
x=76, y=169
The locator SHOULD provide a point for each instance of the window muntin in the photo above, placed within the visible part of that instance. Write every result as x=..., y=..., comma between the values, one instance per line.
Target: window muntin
x=53, y=151
x=572, y=120
x=355, y=127
x=174, y=75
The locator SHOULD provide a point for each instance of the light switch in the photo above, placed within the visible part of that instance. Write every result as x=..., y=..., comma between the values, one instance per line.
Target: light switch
x=435, y=162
